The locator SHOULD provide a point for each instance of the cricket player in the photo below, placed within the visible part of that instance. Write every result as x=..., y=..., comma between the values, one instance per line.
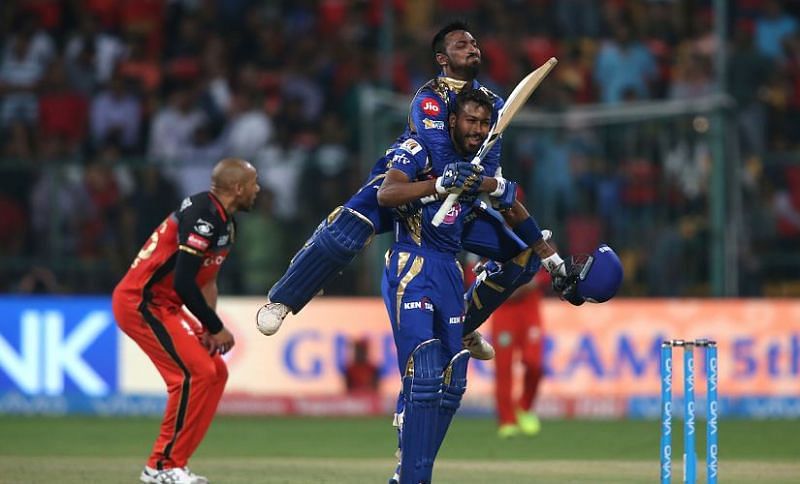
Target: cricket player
x=178, y=266
x=423, y=282
x=349, y=228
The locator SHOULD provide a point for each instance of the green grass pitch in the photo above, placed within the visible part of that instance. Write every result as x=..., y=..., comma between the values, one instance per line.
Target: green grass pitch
x=355, y=450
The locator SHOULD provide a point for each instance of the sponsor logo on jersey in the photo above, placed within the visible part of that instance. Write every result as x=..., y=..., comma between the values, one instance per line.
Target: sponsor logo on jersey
x=453, y=214
x=197, y=242
x=223, y=239
x=203, y=227
x=430, y=106
x=216, y=260
x=187, y=202
x=411, y=146
x=399, y=158
x=424, y=304
x=456, y=320
x=432, y=124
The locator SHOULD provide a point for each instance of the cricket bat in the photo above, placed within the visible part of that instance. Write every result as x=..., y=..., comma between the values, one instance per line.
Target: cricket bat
x=518, y=97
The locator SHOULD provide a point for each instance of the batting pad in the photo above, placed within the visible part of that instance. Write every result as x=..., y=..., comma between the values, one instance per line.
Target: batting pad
x=422, y=390
x=454, y=384
x=338, y=239
x=491, y=290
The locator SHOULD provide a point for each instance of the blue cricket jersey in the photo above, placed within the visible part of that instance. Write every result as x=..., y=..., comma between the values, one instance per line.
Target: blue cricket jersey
x=414, y=227
x=427, y=120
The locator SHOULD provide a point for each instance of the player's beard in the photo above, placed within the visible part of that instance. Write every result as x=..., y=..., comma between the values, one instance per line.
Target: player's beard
x=460, y=141
x=471, y=69
x=248, y=206
x=468, y=71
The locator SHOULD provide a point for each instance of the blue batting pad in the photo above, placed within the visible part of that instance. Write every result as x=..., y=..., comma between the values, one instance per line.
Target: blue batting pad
x=454, y=384
x=422, y=391
x=487, y=294
x=338, y=239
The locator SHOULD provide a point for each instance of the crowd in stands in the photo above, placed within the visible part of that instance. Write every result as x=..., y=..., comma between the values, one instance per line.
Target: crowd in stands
x=111, y=111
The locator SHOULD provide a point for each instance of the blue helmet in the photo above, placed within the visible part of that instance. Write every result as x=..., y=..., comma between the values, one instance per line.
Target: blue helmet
x=600, y=274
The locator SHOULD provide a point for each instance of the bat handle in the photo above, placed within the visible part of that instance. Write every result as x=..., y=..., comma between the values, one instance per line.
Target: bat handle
x=448, y=203
x=438, y=218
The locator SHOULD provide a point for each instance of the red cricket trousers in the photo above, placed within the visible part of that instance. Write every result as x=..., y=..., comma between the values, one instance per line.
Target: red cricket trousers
x=195, y=380
x=517, y=336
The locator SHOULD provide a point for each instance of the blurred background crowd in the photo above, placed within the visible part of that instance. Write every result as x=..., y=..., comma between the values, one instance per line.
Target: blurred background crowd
x=111, y=111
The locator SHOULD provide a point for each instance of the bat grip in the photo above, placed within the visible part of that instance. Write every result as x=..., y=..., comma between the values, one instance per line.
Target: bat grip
x=438, y=218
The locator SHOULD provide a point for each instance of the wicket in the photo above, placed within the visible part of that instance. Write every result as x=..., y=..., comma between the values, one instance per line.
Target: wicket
x=712, y=410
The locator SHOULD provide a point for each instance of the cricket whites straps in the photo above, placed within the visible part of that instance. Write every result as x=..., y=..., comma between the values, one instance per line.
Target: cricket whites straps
x=454, y=384
x=518, y=97
x=422, y=392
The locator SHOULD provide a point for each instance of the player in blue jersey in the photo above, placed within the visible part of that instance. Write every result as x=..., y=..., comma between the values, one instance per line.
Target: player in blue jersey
x=422, y=282
x=347, y=230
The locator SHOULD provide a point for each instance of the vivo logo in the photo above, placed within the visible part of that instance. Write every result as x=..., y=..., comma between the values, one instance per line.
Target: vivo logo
x=667, y=422
x=41, y=352
x=712, y=374
x=690, y=418
x=712, y=418
x=666, y=467
x=713, y=461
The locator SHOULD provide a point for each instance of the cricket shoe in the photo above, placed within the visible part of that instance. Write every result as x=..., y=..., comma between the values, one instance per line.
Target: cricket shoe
x=198, y=479
x=395, y=479
x=528, y=423
x=270, y=317
x=507, y=431
x=478, y=347
x=175, y=475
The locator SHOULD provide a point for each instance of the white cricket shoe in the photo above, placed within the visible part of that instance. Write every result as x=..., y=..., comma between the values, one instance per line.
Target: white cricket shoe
x=198, y=479
x=175, y=475
x=479, y=348
x=270, y=317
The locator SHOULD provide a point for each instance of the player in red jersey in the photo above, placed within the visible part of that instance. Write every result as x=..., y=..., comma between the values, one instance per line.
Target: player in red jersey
x=178, y=266
x=518, y=336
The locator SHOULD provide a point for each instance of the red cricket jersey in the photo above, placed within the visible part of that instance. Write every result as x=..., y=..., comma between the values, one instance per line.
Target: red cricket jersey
x=201, y=227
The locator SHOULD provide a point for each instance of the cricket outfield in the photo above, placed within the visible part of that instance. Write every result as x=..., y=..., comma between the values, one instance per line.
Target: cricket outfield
x=353, y=450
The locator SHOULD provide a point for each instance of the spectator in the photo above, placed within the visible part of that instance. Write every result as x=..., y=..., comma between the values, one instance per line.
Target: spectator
x=250, y=129
x=25, y=57
x=772, y=27
x=623, y=64
x=174, y=125
x=63, y=112
x=361, y=374
x=116, y=116
x=748, y=73
x=106, y=49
